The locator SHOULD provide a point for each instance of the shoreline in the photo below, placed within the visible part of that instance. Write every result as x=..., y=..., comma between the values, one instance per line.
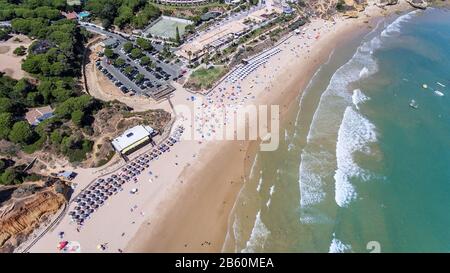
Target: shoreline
x=185, y=204
x=149, y=240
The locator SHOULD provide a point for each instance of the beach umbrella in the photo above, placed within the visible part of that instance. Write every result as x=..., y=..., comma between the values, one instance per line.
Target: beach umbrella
x=62, y=245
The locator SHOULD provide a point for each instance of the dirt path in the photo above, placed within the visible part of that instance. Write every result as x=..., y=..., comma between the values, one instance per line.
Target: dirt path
x=11, y=64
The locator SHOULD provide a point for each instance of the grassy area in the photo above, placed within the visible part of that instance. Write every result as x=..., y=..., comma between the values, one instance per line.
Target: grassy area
x=204, y=78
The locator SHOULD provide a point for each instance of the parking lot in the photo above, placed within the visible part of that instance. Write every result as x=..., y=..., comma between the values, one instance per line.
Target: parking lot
x=132, y=77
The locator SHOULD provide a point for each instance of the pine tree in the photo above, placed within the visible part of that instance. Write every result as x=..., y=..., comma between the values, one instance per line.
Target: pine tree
x=177, y=37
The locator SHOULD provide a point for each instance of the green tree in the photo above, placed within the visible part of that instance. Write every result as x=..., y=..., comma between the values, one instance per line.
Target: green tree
x=34, y=64
x=6, y=123
x=77, y=117
x=144, y=44
x=139, y=77
x=6, y=105
x=20, y=51
x=128, y=70
x=128, y=46
x=21, y=133
x=119, y=62
x=109, y=53
x=56, y=137
x=177, y=37
x=145, y=60
x=34, y=99
x=61, y=94
x=9, y=177
x=136, y=53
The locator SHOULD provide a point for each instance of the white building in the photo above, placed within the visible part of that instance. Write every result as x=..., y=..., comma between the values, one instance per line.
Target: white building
x=132, y=138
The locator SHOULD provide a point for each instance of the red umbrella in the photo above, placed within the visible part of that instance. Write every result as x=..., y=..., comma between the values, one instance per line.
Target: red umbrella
x=62, y=245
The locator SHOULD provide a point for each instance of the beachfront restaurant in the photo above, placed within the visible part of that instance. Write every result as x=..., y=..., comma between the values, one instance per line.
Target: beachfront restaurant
x=133, y=139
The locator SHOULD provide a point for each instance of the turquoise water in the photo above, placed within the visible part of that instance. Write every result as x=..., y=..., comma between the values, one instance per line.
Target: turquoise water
x=358, y=167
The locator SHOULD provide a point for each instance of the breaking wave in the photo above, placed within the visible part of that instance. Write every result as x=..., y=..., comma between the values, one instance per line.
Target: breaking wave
x=395, y=27
x=321, y=154
x=337, y=246
x=358, y=97
x=258, y=236
x=354, y=134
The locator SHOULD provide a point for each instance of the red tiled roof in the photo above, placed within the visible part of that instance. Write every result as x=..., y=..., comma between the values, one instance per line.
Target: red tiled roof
x=71, y=15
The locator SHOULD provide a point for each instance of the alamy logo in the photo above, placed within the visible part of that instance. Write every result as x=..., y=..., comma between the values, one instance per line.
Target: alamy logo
x=252, y=122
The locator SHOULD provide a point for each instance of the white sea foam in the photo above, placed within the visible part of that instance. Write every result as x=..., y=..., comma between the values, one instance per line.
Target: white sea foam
x=290, y=146
x=258, y=188
x=252, y=169
x=272, y=190
x=317, y=158
x=364, y=72
x=337, y=246
x=236, y=232
x=327, y=117
x=354, y=134
x=395, y=27
x=258, y=236
x=358, y=97
x=337, y=96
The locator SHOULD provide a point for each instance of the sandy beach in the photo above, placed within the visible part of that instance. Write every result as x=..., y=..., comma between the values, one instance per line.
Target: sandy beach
x=186, y=196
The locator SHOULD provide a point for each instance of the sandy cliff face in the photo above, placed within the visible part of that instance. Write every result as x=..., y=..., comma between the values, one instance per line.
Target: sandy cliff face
x=25, y=210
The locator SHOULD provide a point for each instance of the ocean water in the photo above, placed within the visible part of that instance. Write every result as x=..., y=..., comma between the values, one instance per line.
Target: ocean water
x=359, y=169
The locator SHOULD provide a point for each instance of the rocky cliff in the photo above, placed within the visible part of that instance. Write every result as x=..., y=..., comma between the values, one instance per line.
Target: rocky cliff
x=420, y=4
x=350, y=8
x=24, y=208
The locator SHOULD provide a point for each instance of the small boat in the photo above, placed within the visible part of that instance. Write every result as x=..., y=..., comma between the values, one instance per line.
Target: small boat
x=424, y=86
x=440, y=84
x=439, y=93
x=414, y=104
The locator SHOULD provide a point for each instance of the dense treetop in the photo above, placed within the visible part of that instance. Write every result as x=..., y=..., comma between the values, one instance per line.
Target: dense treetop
x=54, y=60
x=137, y=13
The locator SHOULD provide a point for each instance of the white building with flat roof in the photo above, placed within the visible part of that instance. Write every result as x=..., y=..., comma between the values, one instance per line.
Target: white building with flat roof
x=132, y=138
